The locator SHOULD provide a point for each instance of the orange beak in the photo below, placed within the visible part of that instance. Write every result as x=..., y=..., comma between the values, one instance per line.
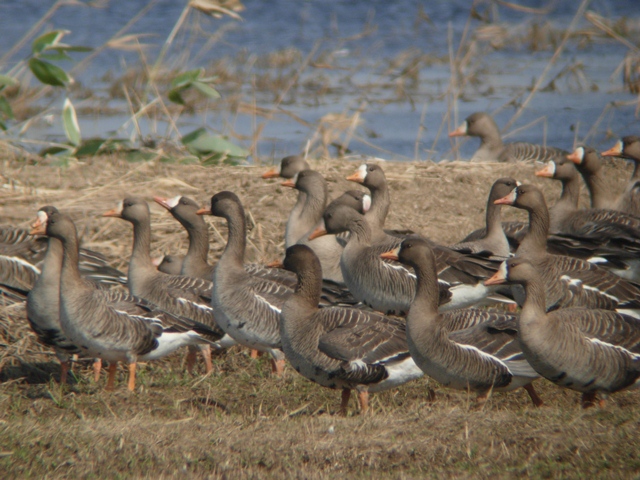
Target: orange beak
x=614, y=151
x=114, y=212
x=204, y=211
x=273, y=173
x=356, y=177
x=499, y=277
x=461, y=131
x=318, y=232
x=391, y=254
x=38, y=227
x=275, y=264
x=162, y=202
x=289, y=183
x=508, y=199
x=575, y=157
x=547, y=171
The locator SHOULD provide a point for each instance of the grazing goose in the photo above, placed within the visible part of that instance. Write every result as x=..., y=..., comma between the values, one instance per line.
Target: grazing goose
x=494, y=243
x=289, y=166
x=171, y=264
x=482, y=358
x=568, y=281
x=629, y=148
x=113, y=326
x=328, y=248
x=389, y=287
x=246, y=307
x=587, y=350
x=492, y=149
x=340, y=347
x=188, y=297
x=17, y=243
x=589, y=163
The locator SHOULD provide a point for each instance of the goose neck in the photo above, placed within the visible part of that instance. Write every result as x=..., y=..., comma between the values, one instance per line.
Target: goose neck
x=535, y=241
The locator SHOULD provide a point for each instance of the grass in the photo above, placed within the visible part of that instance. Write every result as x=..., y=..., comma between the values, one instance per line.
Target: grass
x=240, y=422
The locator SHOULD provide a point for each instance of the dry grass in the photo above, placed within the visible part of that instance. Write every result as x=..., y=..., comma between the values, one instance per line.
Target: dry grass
x=240, y=422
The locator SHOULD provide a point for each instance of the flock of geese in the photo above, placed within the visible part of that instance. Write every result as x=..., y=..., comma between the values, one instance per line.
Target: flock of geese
x=353, y=306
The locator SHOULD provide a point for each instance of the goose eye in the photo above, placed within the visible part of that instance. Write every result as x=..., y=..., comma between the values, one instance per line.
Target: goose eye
x=371, y=169
x=329, y=215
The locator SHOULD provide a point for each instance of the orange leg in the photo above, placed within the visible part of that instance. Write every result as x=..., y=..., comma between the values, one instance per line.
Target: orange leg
x=64, y=368
x=255, y=353
x=363, y=400
x=205, y=350
x=482, y=398
x=535, y=398
x=132, y=377
x=277, y=366
x=344, y=402
x=111, y=379
x=97, y=366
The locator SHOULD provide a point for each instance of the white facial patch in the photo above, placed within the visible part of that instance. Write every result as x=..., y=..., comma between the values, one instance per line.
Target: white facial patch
x=366, y=203
x=503, y=271
x=551, y=168
x=464, y=126
x=173, y=202
x=580, y=154
x=42, y=217
x=362, y=171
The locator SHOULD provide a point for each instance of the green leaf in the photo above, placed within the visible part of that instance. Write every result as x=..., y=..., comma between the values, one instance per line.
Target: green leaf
x=185, y=79
x=175, y=95
x=48, y=73
x=69, y=48
x=7, y=81
x=3, y=126
x=206, y=89
x=191, y=137
x=89, y=147
x=139, y=156
x=204, y=145
x=5, y=108
x=55, y=56
x=70, y=122
x=46, y=40
x=54, y=150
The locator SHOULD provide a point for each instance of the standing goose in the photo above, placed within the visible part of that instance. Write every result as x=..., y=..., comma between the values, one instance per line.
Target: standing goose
x=494, y=243
x=568, y=281
x=492, y=149
x=390, y=287
x=300, y=226
x=116, y=328
x=340, y=347
x=587, y=350
x=246, y=307
x=590, y=165
x=607, y=237
x=629, y=148
x=177, y=294
x=195, y=262
x=483, y=358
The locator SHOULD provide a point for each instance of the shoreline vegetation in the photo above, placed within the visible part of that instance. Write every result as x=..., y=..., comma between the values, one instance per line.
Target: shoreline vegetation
x=174, y=85
x=239, y=421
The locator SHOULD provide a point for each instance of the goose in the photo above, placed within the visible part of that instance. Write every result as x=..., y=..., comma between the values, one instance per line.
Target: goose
x=493, y=244
x=289, y=166
x=328, y=248
x=482, y=358
x=607, y=237
x=587, y=350
x=629, y=148
x=18, y=244
x=340, y=348
x=389, y=287
x=113, y=326
x=568, y=281
x=188, y=297
x=589, y=163
x=246, y=307
x=171, y=264
x=492, y=149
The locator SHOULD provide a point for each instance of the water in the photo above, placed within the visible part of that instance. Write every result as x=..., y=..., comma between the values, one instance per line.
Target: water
x=390, y=121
